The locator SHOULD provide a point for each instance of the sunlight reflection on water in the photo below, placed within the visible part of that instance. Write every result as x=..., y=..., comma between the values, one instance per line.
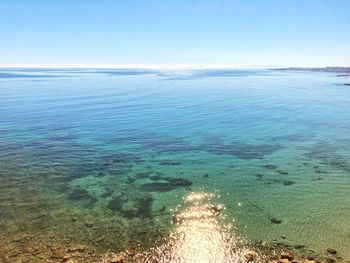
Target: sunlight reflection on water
x=198, y=235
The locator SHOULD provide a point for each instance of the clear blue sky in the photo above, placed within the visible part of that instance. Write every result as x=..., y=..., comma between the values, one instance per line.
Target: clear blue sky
x=174, y=32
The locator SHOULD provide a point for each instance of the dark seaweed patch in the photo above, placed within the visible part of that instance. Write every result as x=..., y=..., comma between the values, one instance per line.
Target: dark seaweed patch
x=270, y=166
x=320, y=172
x=157, y=187
x=114, y=164
x=144, y=206
x=215, y=144
x=141, y=206
x=120, y=157
x=80, y=194
x=284, y=182
x=245, y=151
x=288, y=182
x=292, y=137
x=169, y=162
x=142, y=175
x=170, y=184
x=327, y=154
x=152, y=141
x=107, y=193
x=155, y=177
x=281, y=172
x=130, y=179
x=340, y=164
x=275, y=221
x=259, y=176
x=116, y=204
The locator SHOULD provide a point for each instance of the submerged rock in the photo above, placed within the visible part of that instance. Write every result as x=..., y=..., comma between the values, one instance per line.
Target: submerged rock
x=89, y=222
x=331, y=251
x=250, y=255
x=117, y=259
x=259, y=176
x=287, y=255
x=77, y=248
x=58, y=253
x=288, y=182
x=275, y=221
x=270, y=166
x=169, y=162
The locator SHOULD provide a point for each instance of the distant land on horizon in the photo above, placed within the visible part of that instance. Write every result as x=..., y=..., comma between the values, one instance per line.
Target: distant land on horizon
x=322, y=69
x=342, y=71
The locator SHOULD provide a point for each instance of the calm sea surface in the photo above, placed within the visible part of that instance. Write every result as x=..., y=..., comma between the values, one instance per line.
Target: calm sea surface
x=104, y=157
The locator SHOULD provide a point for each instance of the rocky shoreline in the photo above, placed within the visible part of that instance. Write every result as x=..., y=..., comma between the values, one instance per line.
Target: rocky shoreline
x=31, y=249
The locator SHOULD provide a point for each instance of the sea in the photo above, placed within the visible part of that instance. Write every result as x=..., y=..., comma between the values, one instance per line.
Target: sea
x=107, y=157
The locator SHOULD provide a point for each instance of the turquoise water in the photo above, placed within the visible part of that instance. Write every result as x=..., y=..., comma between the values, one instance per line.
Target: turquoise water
x=102, y=157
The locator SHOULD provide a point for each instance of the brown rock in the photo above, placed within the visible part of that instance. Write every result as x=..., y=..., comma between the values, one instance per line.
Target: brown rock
x=57, y=253
x=283, y=260
x=117, y=259
x=97, y=240
x=22, y=259
x=287, y=255
x=250, y=255
x=89, y=222
x=309, y=261
x=77, y=248
x=27, y=237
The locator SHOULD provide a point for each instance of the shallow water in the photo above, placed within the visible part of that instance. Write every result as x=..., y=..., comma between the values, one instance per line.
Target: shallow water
x=103, y=157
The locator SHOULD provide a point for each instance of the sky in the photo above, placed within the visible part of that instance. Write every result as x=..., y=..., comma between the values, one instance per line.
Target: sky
x=118, y=33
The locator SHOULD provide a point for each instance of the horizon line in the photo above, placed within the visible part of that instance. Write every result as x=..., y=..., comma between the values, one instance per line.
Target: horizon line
x=163, y=66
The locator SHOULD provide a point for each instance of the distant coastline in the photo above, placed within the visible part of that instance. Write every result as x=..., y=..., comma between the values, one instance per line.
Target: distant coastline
x=343, y=70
